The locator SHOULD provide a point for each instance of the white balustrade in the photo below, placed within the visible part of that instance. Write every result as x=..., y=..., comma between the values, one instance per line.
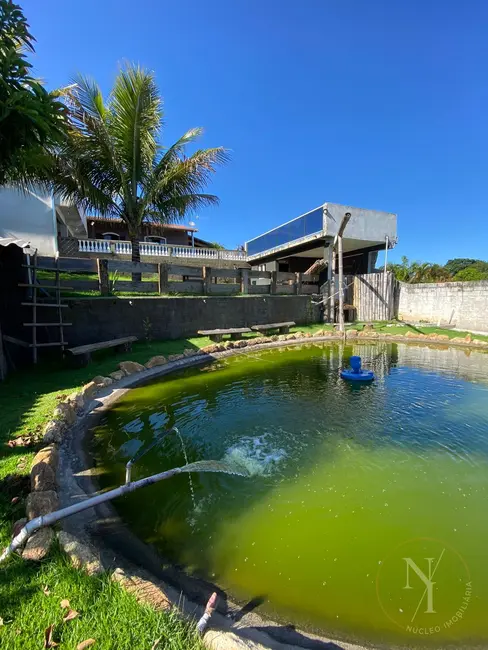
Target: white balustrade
x=157, y=250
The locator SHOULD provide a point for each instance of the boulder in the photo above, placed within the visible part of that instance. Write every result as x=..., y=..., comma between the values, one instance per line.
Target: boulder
x=117, y=375
x=479, y=342
x=240, y=344
x=89, y=390
x=256, y=340
x=350, y=334
x=274, y=337
x=281, y=337
x=131, y=367
x=291, y=337
x=158, y=360
x=369, y=327
x=211, y=349
x=77, y=400
x=41, y=503
x=411, y=335
x=38, y=545
x=319, y=333
x=175, y=357
x=65, y=411
x=18, y=525
x=53, y=432
x=458, y=339
x=101, y=382
x=43, y=472
x=468, y=338
x=80, y=554
x=191, y=352
x=307, y=335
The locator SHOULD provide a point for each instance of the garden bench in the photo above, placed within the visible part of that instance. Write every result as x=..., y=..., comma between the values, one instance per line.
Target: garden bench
x=283, y=328
x=83, y=352
x=217, y=335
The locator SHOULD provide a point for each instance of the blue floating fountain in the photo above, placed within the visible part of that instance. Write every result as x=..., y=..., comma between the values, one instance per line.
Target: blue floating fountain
x=356, y=373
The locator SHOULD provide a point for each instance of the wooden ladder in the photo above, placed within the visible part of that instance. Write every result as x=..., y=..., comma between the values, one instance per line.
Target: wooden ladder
x=34, y=285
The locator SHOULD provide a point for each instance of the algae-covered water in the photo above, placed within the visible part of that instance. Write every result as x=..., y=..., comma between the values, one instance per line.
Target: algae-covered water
x=365, y=517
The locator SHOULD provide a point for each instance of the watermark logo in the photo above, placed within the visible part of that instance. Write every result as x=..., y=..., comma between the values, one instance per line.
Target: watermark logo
x=424, y=586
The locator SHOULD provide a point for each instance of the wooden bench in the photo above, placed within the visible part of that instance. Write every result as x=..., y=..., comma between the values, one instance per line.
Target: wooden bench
x=217, y=335
x=83, y=352
x=283, y=328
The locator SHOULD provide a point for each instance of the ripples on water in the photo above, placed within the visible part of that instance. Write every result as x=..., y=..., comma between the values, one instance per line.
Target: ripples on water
x=341, y=475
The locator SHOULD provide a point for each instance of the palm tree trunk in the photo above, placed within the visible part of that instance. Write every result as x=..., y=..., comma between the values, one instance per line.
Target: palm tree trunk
x=136, y=255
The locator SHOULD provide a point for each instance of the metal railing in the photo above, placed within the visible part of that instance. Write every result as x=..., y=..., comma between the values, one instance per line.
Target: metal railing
x=158, y=250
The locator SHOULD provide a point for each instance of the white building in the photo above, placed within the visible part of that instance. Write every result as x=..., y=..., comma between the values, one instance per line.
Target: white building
x=38, y=218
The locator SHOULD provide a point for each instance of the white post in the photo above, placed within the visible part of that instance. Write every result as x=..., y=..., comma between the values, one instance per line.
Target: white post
x=341, y=282
x=386, y=262
x=330, y=280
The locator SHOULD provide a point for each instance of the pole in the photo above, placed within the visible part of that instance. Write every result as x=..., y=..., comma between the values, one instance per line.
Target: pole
x=341, y=282
x=330, y=282
x=386, y=262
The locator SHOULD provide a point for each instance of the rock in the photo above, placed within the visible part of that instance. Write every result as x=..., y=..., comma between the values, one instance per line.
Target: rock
x=77, y=400
x=158, y=360
x=89, y=390
x=38, y=545
x=211, y=349
x=281, y=337
x=41, y=503
x=80, y=554
x=369, y=327
x=256, y=340
x=240, y=344
x=274, y=337
x=190, y=352
x=307, y=335
x=458, y=339
x=411, y=335
x=53, y=432
x=350, y=334
x=43, y=472
x=319, y=333
x=65, y=411
x=101, y=382
x=18, y=525
x=264, y=339
x=291, y=337
x=479, y=342
x=143, y=589
x=117, y=375
x=131, y=367
x=468, y=338
x=176, y=357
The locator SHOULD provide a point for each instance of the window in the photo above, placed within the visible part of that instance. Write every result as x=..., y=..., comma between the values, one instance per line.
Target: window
x=154, y=239
x=110, y=235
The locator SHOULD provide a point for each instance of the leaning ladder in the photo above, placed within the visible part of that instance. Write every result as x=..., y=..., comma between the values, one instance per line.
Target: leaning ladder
x=35, y=287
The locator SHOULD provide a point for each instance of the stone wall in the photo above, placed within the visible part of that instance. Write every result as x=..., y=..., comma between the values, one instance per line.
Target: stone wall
x=102, y=319
x=459, y=304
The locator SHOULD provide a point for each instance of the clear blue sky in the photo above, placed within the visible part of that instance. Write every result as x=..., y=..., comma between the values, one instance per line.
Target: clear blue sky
x=380, y=104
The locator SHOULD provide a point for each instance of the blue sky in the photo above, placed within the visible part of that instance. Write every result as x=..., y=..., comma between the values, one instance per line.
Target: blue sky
x=375, y=103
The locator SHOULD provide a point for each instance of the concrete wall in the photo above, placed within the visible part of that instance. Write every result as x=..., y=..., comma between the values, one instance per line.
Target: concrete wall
x=29, y=217
x=460, y=304
x=364, y=225
x=171, y=318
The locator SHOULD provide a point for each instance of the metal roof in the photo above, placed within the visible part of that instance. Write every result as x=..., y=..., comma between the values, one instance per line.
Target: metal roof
x=21, y=243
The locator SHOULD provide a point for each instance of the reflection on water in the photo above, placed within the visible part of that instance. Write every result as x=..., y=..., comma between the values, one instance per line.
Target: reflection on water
x=341, y=476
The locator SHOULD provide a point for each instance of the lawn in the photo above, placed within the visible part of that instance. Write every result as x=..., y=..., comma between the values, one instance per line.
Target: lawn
x=30, y=594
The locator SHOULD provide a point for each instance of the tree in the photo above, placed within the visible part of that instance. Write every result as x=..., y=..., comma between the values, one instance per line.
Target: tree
x=31, y=119
x=114, y=164
x=472, y=273
x=458, y=264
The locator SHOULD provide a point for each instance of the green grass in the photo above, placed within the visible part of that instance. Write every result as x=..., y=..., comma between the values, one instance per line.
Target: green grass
x=107, y=613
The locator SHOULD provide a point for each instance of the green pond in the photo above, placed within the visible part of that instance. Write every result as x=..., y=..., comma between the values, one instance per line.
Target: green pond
x=365, y=515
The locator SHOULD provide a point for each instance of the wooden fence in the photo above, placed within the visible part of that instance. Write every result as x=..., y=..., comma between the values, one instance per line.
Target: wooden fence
x=374, y=296
x=107, y=277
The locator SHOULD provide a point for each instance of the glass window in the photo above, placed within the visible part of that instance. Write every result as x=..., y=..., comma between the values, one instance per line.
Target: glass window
x=308, y=224
x=110, y=235
x=154, y=239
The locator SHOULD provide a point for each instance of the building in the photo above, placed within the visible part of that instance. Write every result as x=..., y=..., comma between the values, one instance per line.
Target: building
x=53, y=226
x=298, y=244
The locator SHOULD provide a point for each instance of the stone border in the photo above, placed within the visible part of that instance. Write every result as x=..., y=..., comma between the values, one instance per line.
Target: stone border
x=72, y=418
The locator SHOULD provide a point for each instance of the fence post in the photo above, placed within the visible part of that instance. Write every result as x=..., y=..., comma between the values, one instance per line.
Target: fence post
x=163, y=282
x=207, y=279
x=274, y=282
x=244, y=280
x=103, y=286
x=298, y=283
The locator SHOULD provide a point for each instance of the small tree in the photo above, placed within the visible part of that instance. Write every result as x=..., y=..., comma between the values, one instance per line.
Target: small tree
x=31, y=119
x=113, y=161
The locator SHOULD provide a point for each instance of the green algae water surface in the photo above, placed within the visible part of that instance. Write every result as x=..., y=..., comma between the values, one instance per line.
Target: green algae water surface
x=365, y=515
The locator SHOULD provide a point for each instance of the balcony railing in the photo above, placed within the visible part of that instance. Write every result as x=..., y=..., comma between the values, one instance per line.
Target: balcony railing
x=105, y=247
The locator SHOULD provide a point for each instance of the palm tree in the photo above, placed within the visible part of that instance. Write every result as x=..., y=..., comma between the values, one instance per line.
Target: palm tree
x=32, y=120
x=113, y=162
